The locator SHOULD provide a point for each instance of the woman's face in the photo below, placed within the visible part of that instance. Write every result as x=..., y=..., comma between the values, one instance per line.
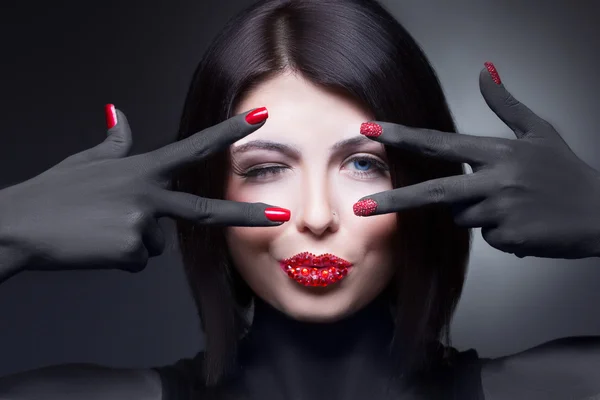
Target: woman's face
x=306, y=168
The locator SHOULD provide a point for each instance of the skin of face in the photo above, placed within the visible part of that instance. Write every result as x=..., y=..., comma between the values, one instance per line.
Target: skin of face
x=319, y=187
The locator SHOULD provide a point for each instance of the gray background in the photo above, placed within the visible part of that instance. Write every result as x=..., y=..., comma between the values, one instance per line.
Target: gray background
x=62, y=61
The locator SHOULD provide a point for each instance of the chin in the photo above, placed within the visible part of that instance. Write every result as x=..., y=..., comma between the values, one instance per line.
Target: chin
x=312, y=305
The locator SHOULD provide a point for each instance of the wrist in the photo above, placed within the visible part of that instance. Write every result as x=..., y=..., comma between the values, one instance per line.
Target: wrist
x=12, y=259
x=14, y=255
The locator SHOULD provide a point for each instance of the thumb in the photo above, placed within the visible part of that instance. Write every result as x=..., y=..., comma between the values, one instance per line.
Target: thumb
x=119, y=141
x=511, y=111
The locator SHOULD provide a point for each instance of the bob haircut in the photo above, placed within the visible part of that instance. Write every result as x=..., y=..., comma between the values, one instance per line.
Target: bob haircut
x=355, y=47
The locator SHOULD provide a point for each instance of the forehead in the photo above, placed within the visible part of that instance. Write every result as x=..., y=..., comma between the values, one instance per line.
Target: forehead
x=300, y=110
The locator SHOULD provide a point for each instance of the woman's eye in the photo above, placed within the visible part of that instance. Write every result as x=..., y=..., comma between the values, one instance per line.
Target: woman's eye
x=365, y=167
x=361, y=167
x=260, y=173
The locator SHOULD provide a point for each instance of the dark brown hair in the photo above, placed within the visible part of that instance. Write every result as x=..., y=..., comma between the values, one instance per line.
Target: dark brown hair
x=358, y=48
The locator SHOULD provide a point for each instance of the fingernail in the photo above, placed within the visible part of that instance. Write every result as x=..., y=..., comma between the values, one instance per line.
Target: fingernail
x=370, y=129
x=257, y=116
x=365, y=207
x=111, y=115
x=492, y=70
x=277, y=214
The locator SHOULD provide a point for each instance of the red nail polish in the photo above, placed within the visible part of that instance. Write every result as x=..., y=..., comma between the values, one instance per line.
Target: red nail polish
x=365, y=207
x=257, y=116
x=111, y=115
x=277, y=214
x=492, y=70
x=370, y=129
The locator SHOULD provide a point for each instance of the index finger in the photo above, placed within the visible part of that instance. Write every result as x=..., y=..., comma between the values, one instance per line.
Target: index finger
x=446, y=190
x=453, y=147
x=216, y=211
x=202, y=144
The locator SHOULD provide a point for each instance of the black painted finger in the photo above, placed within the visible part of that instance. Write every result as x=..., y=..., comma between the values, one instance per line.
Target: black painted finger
x=218, y=212
x=447, y=190
x=454, y=147
x=205, y=142
x=511, y=111
x=117, y=144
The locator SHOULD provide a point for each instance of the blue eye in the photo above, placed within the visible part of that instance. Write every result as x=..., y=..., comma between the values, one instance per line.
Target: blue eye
x=362, y=164
x=366, y=167
x=360, y=167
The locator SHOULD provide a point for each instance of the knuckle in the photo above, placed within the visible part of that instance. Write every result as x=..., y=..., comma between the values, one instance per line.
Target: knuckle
x=509, y=185
x=133, y=248
x=198, y=145
x=202, y=208
x=504, y=149
x=114, y=147
x=436, y=145
x=510, y=101
x=436, y=193
x=137, y=220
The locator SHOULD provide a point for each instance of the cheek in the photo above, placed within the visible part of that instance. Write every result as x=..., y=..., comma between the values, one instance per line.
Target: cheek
x=376, y=235
x=246, y=243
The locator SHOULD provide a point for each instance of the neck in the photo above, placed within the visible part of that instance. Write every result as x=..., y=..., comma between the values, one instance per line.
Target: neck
x=371, y=327
x=282, y=352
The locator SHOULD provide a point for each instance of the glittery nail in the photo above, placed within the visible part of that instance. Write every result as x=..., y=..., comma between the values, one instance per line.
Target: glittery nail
x=365, y=207
x=492, y=70
x=370, y=129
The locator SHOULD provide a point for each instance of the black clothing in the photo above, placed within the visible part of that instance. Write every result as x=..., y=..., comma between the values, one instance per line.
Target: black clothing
x=466, y=375
x=281, y=358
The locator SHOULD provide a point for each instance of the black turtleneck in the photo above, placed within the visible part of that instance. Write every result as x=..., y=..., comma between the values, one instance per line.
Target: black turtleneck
x=282, y=358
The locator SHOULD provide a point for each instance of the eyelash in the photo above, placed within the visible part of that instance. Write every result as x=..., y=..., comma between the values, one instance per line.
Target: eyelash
x=261, y=172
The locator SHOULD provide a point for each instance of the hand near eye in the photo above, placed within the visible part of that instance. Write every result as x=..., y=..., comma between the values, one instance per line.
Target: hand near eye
x=531, y=196
x=99, y=208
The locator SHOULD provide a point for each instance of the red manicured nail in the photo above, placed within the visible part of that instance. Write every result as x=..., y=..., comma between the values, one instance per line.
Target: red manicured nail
x=111, y=115
x=257, y=116
x=492, y=70
x=365, y=207
x=277, y=214
x=370, y=129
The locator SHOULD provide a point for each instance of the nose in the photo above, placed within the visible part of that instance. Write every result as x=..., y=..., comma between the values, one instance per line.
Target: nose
x=315, y=213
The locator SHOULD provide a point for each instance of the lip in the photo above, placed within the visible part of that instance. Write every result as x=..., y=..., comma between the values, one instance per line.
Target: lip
x=309, y=269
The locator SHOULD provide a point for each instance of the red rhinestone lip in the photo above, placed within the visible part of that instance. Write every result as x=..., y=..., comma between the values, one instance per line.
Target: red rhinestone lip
x=310, y=270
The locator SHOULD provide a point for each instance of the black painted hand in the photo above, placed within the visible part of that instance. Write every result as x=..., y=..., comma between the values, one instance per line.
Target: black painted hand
x=99, y=208
x=531, y=196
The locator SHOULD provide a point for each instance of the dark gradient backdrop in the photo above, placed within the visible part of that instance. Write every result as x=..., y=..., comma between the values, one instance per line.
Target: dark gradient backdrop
x=62, y=61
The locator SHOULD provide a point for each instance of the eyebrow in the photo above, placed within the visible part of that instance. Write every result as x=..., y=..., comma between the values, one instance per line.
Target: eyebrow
x=294, y=152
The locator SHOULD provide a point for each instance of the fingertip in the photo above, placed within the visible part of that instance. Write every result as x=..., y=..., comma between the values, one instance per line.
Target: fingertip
x=110, y=115
x=364, y=207
x=277, y=214
x=493, y=72
x=371, y=129
x=257, y=116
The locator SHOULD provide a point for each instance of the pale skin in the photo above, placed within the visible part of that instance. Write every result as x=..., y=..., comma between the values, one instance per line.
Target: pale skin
x=319, y=187
x=314, y=187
